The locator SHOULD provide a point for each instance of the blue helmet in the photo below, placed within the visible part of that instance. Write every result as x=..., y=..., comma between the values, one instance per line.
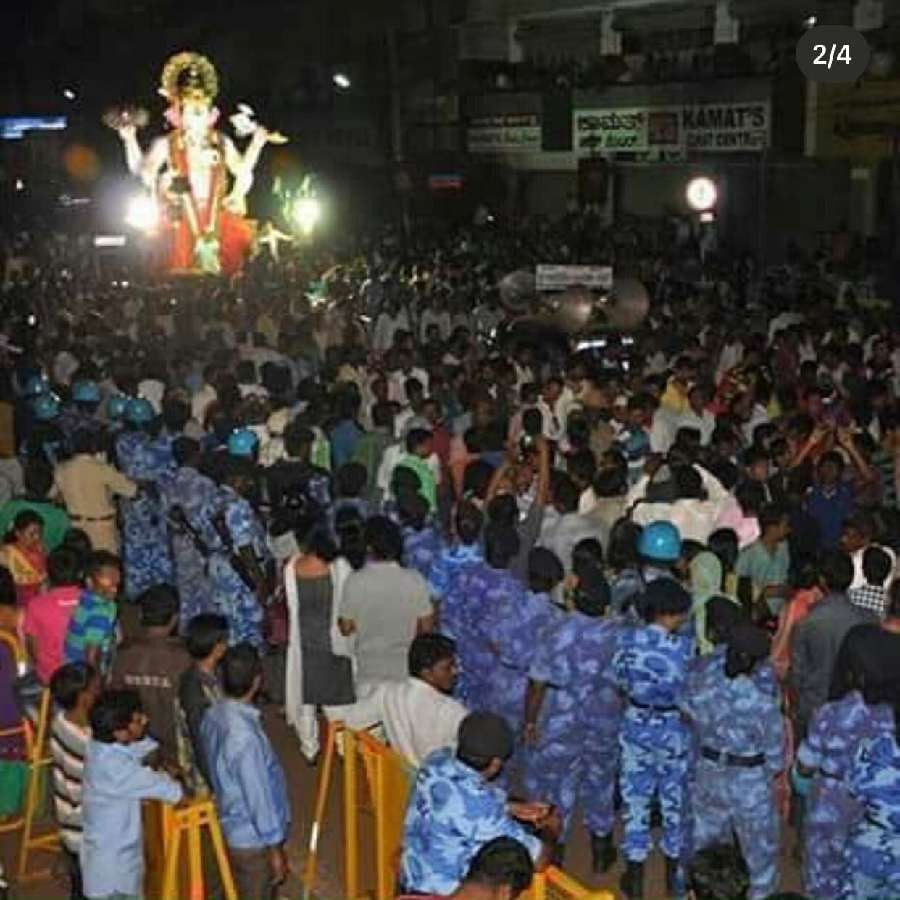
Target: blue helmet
x=660, y=542
x=116, y=406
x=139, y=411
x=85, y=392
x=45, y=407
x=242, y=442
x=36, y=386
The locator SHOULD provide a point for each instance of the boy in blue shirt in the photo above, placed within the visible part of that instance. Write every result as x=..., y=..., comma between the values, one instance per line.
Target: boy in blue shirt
x=115, y=783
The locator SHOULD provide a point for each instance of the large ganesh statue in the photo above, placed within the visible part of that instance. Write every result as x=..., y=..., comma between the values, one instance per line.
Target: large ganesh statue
x=195, y=174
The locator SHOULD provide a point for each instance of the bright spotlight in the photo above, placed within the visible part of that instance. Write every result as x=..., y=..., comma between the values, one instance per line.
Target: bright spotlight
x=306, y=213
x=701, y=194
x=142, y=213
x=20, y=185
x=69, y=94
x=341, y=81
x=810, y=22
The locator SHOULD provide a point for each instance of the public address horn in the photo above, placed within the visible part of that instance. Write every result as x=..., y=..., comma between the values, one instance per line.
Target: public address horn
x=577, y=309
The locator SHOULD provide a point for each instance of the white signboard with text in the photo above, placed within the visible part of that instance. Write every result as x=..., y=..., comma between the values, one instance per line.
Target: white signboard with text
x=504, y=134
x=558, y=278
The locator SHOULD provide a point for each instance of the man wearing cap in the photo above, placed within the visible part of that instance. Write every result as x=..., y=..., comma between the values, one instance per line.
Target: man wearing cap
x=88, y=488
x=739, y=732
x=573, y=714
x=650, y=669
x=454, y=809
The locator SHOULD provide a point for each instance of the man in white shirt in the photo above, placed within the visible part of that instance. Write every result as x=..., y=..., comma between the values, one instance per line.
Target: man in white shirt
x=398, y=378
x=388, y=323
x=418, y=715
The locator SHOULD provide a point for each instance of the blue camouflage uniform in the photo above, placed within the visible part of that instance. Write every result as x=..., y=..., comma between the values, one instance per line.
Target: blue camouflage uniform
x=147, y=555
x=421, y=548
x=73, y=421
x=189, y=489
x=576, y=757
x=650, y=668
x=740, y=717
x=514, y=626
x=874, y=845
x=835, y=734
x=480, y=588
x=452, y=813
x=450, y=569
x=232, y=597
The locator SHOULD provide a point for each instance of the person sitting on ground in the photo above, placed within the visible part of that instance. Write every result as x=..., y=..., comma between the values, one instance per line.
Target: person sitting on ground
x=454, y=809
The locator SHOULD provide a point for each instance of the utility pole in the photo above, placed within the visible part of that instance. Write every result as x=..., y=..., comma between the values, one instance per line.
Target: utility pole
x=400, y=176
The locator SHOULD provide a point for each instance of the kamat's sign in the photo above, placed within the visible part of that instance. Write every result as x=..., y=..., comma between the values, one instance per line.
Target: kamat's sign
x=727, y=127
x=505, y=134
x=704, y=128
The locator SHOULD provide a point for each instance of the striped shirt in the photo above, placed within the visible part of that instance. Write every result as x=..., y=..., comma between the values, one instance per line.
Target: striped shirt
x=68, y=743
x=92, y=624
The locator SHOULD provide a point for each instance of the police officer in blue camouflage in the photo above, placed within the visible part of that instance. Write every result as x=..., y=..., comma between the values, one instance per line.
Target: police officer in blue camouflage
x=185, y=493
x=451, y=567
x=145, y=456
x=739, y=739
x=81, y=413
x=874, y=846
x=515, y=626
x=483, y=586
x=573, y=715
x=650, y=669
x=240, y=556
x=46, y=441
x=456, y=559
x=854, y=714
x=422, y=543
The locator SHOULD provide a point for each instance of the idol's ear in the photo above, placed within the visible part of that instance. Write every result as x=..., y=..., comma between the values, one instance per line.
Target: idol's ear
x=214, y=116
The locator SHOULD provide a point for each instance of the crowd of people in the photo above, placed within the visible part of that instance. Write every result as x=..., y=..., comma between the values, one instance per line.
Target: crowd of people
x=653, y=590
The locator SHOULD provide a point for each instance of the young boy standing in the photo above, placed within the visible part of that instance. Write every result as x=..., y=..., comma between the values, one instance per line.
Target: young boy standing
x=93, y=629
x=75, y=687
x=198, y=689
x=115, y=783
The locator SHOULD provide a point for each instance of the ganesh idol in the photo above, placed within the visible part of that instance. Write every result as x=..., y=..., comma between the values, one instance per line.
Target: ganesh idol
x=195, y=173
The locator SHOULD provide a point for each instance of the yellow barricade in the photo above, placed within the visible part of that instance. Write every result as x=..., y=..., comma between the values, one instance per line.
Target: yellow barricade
x=40, y=761
x=390, y=780
x=553, y=884
x=170, y=875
